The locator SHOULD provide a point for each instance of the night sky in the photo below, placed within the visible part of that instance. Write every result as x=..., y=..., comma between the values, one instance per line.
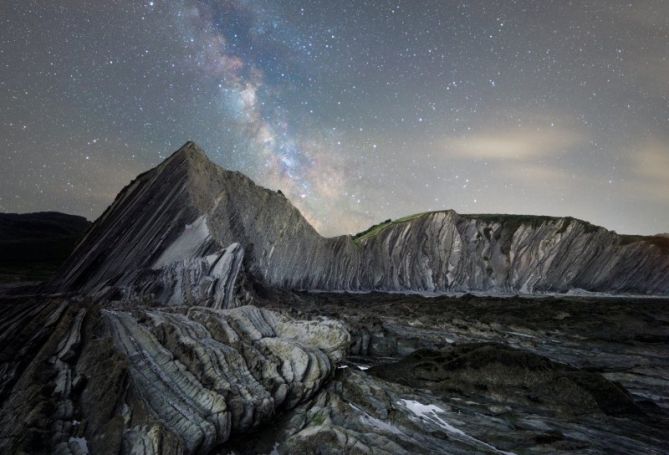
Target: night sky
x=357, y=110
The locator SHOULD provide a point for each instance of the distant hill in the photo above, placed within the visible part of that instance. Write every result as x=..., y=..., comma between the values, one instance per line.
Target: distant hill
x=34, y=245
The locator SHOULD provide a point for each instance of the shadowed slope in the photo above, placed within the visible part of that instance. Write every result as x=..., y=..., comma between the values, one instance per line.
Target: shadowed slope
x=34, y=245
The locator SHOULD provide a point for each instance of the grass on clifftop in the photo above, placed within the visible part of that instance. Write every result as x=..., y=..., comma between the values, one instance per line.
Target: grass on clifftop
x=376, y=229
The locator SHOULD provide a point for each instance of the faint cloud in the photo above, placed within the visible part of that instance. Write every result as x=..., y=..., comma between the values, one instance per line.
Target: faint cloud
x=532, y=158
x=650, y=170
x=519, y=144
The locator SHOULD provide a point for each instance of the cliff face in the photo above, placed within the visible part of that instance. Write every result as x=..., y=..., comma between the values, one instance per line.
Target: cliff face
x=193, y=226
x=447, y=251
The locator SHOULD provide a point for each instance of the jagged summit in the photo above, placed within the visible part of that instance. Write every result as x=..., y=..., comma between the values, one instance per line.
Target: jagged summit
x=189, y=154
x=190, y=148
x=193, y=227
x=185, y=209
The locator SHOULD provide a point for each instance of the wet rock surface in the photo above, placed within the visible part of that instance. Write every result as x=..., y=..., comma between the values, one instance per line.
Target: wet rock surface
x=486, y=375
x=512, y=377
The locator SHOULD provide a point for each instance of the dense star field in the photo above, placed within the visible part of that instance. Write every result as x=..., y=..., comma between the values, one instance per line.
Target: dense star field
x=358, y=111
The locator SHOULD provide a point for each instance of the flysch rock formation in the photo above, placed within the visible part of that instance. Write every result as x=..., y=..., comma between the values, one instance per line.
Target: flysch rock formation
x=78, y=378
x=393, y=374
x=483, y=375
x=146, y=342
x=187, y=228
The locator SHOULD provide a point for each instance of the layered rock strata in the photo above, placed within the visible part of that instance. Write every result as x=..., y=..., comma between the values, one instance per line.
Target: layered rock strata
x=179, y=219
x=149, y=381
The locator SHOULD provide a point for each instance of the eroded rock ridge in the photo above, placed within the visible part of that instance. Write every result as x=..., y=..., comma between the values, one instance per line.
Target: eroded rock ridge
x=193, y=227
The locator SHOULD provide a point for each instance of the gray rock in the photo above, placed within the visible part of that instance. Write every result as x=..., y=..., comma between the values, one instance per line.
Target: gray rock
x=208, y=280
x=173, y=218
x=439, y=375
x=536, y=376
x=150, y=382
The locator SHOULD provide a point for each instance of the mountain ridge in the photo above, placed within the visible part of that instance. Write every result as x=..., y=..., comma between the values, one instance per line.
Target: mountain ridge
x=205, y=209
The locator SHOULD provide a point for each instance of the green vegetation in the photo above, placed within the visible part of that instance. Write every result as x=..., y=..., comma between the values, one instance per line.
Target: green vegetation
x=318, y=419
x=371, y=229
x=378, y=228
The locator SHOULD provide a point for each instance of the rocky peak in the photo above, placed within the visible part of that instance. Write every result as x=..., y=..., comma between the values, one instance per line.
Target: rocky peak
x=178, y=214
x=192, y=150
x=188, y=156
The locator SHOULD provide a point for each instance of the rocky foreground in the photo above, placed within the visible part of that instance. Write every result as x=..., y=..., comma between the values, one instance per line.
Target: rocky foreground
x=335, y=373
x=488, y=375
x=78, y=377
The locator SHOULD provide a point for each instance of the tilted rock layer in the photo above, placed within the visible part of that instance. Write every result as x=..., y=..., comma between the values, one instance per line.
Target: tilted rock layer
x=78, y=378
x=192, y=223
x=154, y=351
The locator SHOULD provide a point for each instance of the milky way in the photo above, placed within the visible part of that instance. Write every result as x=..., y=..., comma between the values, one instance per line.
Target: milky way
x=357, y=110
